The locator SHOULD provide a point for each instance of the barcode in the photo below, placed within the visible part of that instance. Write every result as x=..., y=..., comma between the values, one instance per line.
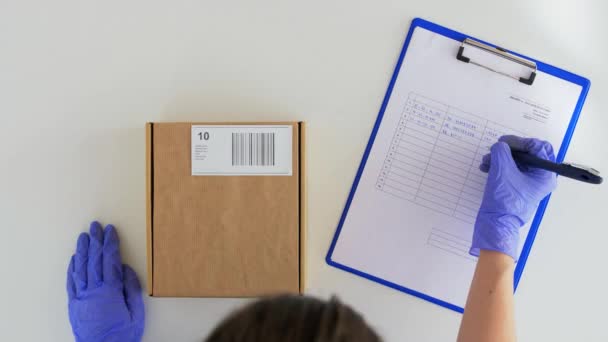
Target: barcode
x=252, y=149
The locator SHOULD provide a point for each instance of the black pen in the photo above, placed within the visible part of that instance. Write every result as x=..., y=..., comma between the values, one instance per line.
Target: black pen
x=579, y=172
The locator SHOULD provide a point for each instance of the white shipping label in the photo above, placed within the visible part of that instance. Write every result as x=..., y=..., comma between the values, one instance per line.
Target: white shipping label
x=234, y=150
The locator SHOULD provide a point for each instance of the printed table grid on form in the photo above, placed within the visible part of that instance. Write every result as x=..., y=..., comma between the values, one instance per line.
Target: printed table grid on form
x=434, y=157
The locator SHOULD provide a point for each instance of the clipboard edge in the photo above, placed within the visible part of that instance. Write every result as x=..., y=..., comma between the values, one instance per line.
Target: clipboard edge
x=416, y=22
x=527, y=247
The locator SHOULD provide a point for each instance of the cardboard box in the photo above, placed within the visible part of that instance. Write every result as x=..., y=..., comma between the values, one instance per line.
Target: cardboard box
x=222, y=235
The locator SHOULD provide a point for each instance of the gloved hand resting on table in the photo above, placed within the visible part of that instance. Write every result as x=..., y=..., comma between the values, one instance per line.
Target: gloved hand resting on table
x=105, y=301
x=512, y=194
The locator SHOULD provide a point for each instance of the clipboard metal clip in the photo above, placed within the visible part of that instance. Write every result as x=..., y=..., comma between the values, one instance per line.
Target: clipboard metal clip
x=500, y=53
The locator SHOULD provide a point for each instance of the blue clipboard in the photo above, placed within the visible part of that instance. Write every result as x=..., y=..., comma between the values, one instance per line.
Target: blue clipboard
x=546, y=68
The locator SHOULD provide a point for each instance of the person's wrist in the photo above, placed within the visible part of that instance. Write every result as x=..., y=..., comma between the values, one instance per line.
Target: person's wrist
x=497, y=261
x=496, y=232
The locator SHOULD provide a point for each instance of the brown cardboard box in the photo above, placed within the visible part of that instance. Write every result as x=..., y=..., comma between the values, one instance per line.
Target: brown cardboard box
x=221, y=236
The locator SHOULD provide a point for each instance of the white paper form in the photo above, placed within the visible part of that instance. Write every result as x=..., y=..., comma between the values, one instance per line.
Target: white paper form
x=411, y=219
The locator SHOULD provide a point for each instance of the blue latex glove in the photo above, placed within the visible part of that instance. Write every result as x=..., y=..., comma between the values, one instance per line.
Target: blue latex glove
x=512, y=194
x=105, y=300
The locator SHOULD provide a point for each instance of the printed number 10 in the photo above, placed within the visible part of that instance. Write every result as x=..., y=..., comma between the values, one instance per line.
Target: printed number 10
x=202, y=135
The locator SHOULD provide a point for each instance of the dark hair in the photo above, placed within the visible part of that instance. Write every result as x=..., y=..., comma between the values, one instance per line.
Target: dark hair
x=294, y=319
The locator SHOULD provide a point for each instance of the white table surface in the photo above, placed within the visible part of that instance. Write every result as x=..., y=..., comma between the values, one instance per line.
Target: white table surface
x=78, y=79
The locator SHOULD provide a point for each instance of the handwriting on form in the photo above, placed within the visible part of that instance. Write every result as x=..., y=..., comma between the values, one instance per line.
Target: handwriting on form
x=434, y=157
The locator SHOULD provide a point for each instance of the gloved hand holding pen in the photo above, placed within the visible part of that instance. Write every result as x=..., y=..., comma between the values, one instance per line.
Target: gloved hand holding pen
x=512, y=194
x=510, y=199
